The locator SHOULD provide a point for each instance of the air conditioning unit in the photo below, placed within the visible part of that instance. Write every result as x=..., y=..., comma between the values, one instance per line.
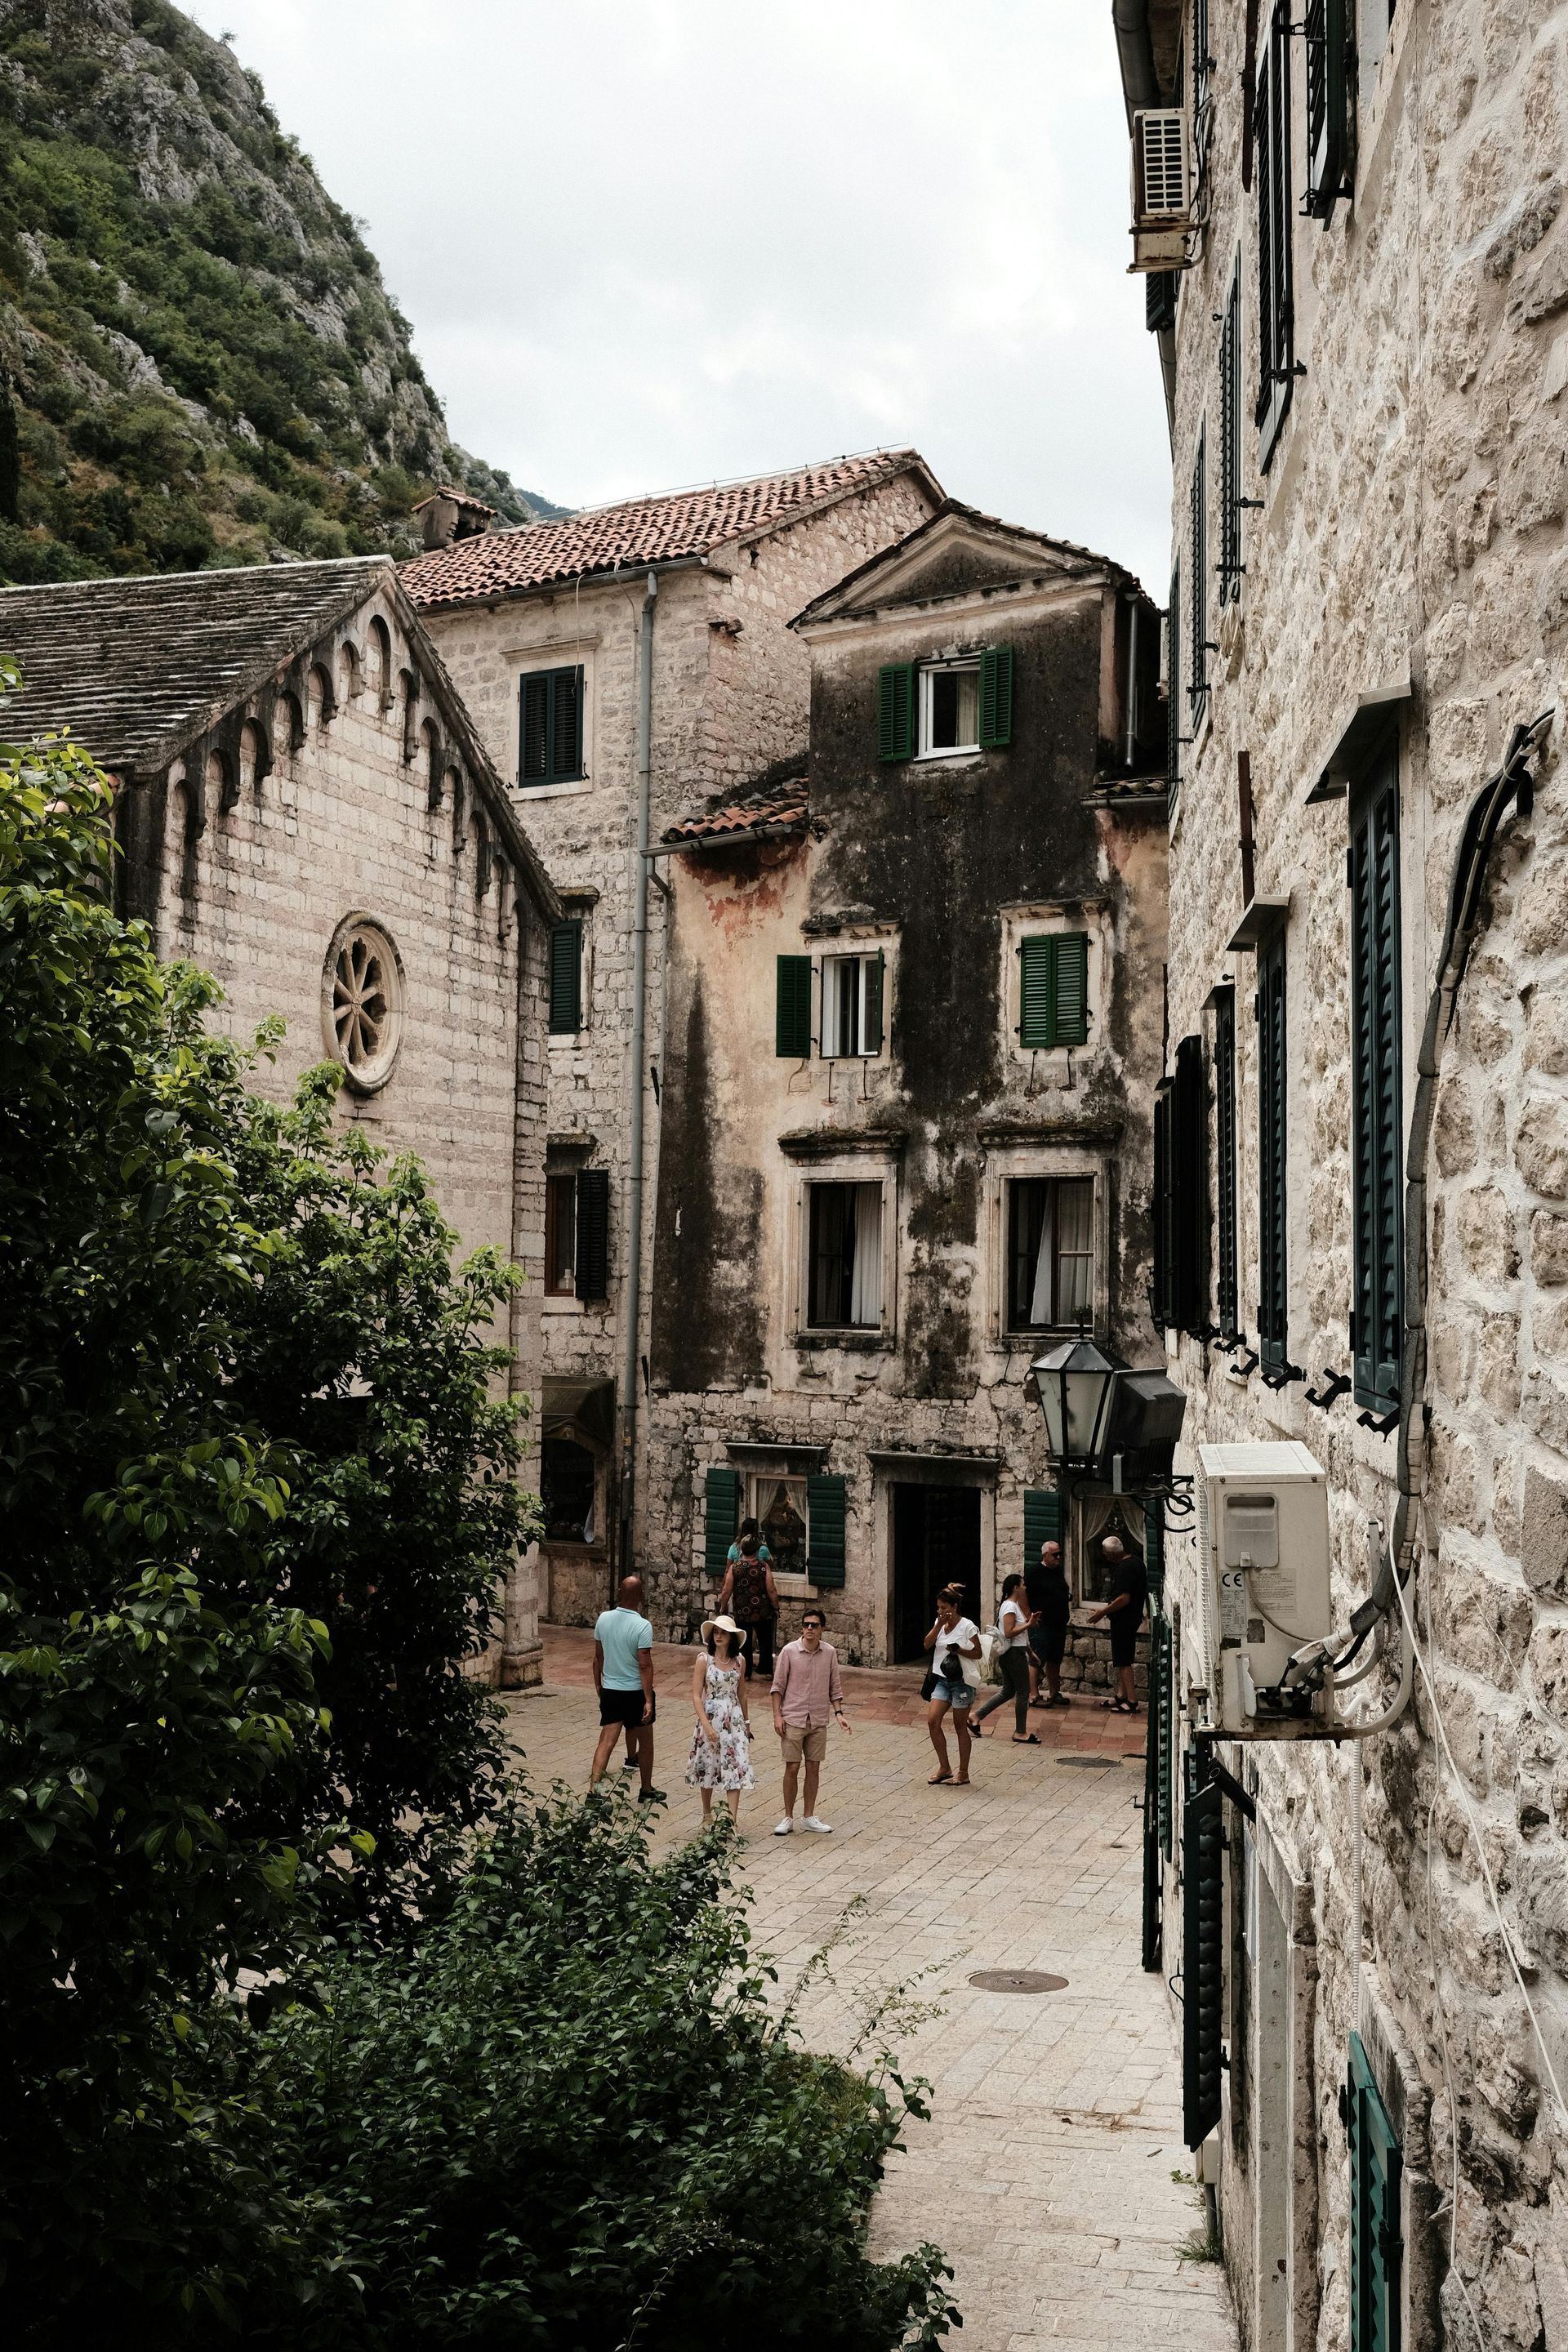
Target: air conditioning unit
x=1263, y=1585
x=1161, y=189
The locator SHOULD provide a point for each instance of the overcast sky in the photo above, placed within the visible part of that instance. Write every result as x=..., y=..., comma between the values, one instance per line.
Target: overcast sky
x=645, y=243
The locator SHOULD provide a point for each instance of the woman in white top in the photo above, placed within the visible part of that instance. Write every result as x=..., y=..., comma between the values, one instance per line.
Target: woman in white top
x=1014, y=1625
x=955, y=1643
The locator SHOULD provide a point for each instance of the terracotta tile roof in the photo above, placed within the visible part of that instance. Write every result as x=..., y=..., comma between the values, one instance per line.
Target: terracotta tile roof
x=784, y=811
x=639, y=531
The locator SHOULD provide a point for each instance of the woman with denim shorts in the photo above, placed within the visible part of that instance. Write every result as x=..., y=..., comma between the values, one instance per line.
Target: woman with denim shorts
x=952, y=1640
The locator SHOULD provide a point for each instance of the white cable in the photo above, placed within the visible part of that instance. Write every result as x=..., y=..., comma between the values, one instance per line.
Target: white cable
x=1475, y=1830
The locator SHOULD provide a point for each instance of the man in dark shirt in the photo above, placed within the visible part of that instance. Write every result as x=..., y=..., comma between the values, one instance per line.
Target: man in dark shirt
x=1124, y=1606
x=1047, y=1586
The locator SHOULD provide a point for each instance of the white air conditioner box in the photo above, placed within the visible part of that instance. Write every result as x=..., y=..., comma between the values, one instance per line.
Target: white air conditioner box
x=1263, y=1569
x=1161, y=188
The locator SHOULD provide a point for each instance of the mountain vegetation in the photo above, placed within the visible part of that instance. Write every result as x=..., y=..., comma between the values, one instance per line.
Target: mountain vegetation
x=201, y=364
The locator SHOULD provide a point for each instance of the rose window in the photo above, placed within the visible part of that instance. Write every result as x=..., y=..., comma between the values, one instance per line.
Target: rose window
x=363, y=1002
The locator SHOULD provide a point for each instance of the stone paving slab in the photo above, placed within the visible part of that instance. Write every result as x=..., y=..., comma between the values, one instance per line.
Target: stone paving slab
x=1045, y=2170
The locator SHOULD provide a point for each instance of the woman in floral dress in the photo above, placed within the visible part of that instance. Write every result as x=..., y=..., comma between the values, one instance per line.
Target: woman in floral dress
x=721, y=1744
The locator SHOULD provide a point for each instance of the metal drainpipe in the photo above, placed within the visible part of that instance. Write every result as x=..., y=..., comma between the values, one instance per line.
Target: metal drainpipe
x=632, y=1296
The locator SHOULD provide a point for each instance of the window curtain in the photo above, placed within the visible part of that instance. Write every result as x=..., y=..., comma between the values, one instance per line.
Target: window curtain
x=866, y=1284
x=1074, y=1214
x=1045, y=1260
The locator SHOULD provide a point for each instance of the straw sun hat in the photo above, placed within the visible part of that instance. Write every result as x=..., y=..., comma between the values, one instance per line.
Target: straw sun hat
x=722, y=1625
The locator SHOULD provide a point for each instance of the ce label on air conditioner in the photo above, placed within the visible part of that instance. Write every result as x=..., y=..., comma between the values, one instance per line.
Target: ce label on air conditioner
x=1233, y=1604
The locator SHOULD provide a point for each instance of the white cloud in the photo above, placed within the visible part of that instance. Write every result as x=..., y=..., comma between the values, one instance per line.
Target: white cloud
x=648, y=242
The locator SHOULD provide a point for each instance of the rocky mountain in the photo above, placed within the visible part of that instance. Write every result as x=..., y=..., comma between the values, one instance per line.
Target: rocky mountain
x=203, y=363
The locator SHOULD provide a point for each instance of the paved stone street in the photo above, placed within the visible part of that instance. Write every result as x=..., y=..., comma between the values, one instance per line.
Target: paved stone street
x=1044, y=2171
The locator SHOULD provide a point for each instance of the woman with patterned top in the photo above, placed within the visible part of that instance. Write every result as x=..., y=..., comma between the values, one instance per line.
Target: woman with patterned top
x=750, y=1595
x=721, y=1744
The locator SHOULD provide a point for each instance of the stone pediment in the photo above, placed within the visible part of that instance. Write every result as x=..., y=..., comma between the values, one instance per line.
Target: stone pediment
x=957, y=554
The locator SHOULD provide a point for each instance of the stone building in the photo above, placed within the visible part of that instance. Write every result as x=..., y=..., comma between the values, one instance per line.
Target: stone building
x=1367, y=345
x=645, y=640
x=913, y=1028
x=305, y=809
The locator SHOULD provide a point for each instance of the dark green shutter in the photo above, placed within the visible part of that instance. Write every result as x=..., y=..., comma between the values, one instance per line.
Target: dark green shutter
x=1272, y=1132
x=1172, y=685
x=1226, y=1290
x=550, y=726
x=533, y=728
x=1276, y=231
x=1230, y=565
x=793, y=1009
x=1156, y=1783
x=1069, y=1019
x=1037, y=987
x=825, y=1513
x=1159, y=299
x=874, y=972
x=1053, y=989
x=1186, y=1152
x=1327, y=121
x=1162, y=1310
x=1202, y=1954
x=1376, y=2240
x=721, y=1517
x=565, y=978
x=896, y=712
x=1161, y=1666
x=995, y=698
x=1042, y=1523
x=1198, y=594
x=1377, y=1292
x=593, y=1233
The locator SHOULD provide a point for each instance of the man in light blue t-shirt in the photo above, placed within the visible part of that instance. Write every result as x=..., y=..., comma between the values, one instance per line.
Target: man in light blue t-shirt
x=623, y=1676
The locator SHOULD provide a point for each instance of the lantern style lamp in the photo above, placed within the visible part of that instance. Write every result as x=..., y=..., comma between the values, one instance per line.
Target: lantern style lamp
x=1072, y=1384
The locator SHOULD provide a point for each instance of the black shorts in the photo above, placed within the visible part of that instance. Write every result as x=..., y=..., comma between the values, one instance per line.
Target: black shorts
x=1048, y=1639
x=625, y=1707
x=1124, y=1637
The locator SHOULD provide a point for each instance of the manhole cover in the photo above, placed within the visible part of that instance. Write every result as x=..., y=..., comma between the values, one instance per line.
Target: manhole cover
x=1088, y=1763
x=1017, y=1980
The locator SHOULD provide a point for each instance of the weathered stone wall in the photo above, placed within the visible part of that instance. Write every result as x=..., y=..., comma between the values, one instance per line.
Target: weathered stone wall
x=730, y=688
x=1413, y=520
x=940, y=865
x=342, y=823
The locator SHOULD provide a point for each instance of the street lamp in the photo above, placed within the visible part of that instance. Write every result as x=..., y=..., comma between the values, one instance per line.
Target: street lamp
x=1073, y=1384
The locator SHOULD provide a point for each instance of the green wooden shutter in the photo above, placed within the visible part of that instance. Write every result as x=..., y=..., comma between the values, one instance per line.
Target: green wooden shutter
x=565, y=978
x=1227, y=1287
x=1161, y=1668
x=1230, y=565
x=1377, y=1283
x=1198, y=594
x=825, y=1515
x=533, y=728
x=1036, y=991
x=1376, y=2240
x=566, y=726
x=1042, y=1523
x=1187, y=1152
x=995, y=698
x=1172, y=685
x=896, y=712
x=874, y=972
x=1154, y=1739
x=1203, y=1956
x=793, y=1009
x=593, y=1233
x=1272, y=1317
x=721, y=1517
x=1069, y=1013
x=1160, y=1309
x=1328, y=122
x=1276, y=234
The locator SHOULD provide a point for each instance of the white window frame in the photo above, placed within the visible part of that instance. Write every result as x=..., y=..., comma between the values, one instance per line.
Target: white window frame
x=926, y=673
x=793, y=1585
x=557, y=653
x=846, y=1168
x=860, y=1050
x=1009, y=1163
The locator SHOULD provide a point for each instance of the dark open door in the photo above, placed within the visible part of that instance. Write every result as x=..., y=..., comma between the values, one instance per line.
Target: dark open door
x=936, y=1541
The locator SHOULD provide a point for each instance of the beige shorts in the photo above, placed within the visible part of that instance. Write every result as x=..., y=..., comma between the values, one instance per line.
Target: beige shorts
x=805, y=1739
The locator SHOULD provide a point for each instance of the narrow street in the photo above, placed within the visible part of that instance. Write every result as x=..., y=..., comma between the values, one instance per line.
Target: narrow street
x=1045, y=2170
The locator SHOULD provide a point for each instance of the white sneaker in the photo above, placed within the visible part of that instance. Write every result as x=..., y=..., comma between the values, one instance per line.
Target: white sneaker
x=785, y=1826
x=823, y=1829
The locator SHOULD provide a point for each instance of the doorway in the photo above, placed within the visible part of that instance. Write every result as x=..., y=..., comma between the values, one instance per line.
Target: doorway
x=936, y=1541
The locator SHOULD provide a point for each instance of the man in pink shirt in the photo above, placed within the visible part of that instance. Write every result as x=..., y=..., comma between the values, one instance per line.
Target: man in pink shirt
x=807, y=1689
